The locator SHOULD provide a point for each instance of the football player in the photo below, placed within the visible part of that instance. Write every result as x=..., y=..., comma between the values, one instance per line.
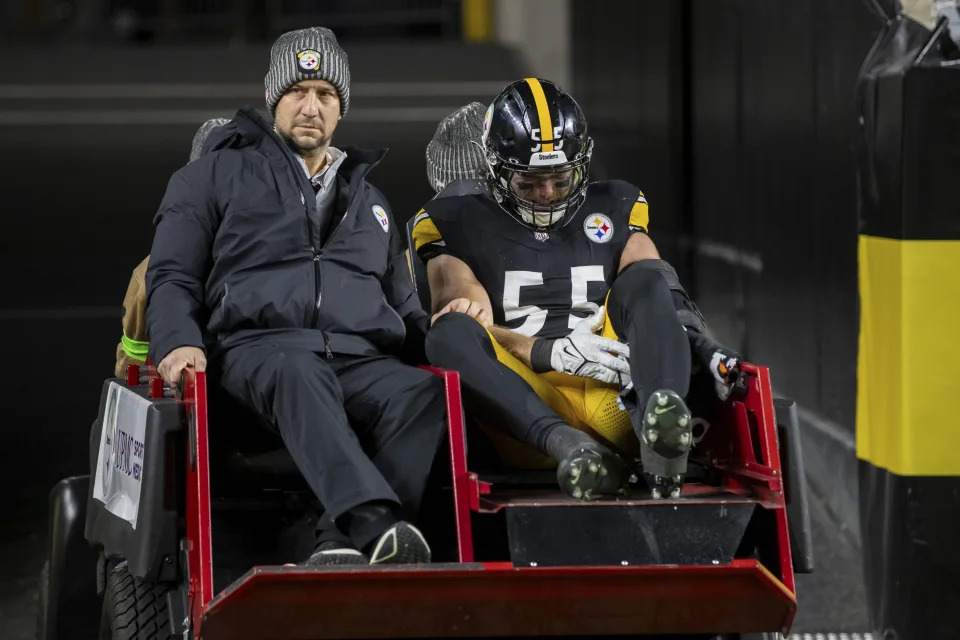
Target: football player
x=554, y=258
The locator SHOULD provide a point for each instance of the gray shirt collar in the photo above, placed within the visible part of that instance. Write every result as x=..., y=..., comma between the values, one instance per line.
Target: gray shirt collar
x=326, y=176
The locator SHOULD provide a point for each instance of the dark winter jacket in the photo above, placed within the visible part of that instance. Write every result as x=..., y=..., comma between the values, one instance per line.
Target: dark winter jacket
x=237, y=254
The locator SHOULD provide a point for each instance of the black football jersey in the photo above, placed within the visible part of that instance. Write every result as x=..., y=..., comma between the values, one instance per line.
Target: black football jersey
x=540, y=284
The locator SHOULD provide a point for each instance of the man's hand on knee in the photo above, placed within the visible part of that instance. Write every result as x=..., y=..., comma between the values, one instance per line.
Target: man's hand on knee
x=461, y=305
x=173, y=364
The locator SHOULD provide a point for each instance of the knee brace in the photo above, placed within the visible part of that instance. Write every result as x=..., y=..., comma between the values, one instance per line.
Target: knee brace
x=452, y=337
x=687, y=311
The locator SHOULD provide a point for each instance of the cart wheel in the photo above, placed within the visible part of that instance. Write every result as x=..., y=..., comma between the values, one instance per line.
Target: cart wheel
x=134, y=610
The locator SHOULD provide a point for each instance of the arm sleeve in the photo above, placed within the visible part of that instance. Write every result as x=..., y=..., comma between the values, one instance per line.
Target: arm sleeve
x=427, y=240
x=639, y=214
x=180, y=261
x=133, y=343
x=397, y=284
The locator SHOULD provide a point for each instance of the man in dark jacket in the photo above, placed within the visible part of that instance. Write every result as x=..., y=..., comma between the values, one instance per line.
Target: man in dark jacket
x=276, y=258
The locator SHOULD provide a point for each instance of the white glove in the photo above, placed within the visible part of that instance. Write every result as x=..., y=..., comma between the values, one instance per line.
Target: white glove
x=589, y=356
x=721, y=362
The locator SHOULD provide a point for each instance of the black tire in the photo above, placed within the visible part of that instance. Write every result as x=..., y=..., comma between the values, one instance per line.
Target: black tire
x=133, y=610
x=43, y=599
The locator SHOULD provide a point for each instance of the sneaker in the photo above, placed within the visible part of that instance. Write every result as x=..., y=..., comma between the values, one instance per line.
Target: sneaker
x=666, y=437
x=400, y=544
x=332, y=554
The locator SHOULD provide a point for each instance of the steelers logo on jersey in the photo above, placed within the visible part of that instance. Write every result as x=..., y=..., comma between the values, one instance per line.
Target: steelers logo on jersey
x=308, y=60
x=598, y=227
x=382, y=218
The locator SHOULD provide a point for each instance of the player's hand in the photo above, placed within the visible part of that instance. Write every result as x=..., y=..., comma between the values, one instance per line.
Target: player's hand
x=721, y=362
x=173, y=364
x=590, y=356
x=595, y=320
x=461, y=305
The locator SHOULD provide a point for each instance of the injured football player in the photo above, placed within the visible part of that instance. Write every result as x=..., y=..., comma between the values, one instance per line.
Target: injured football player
x=587, y=363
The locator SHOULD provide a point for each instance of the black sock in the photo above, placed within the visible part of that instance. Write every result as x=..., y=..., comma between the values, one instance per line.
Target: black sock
x=327, y=531
x=366, y=522
x=643, y=312
x=563, y=441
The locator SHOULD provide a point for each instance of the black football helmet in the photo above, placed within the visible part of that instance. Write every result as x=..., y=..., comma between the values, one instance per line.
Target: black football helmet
x=538, y=151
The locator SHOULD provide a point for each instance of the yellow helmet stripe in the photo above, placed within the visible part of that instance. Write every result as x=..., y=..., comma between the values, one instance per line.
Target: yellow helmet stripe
x=546, y=125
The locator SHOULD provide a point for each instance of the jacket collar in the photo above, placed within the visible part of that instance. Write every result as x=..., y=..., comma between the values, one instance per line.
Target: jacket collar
x=254, y=130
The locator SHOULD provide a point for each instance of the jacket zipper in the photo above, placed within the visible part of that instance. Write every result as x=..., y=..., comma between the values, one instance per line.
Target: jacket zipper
x=318, y=290
x=316, y=263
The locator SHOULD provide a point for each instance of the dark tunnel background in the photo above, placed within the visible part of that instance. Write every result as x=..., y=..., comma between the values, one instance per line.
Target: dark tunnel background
x=736, y=118
x=738, y=121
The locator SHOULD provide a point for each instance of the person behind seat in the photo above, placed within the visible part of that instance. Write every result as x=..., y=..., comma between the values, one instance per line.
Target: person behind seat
x=455, y=167
x=133, y=345
x=554, y=259
x=274, y=256
x=455, y=163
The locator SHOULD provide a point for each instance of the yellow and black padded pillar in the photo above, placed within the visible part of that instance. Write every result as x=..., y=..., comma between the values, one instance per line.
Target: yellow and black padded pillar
x=908, y=368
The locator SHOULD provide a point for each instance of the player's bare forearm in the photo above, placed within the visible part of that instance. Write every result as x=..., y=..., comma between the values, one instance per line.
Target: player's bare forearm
x=517, y=344
x=450, y=278
x=471, y=292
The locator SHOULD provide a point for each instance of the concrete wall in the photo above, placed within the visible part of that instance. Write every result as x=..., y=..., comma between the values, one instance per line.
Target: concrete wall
x=540, y=31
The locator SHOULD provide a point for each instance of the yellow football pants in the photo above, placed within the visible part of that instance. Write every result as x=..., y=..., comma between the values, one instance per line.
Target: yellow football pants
x=585, y=404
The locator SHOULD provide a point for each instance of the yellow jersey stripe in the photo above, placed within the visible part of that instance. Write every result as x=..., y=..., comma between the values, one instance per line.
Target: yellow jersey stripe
x=425, y=232
x=543, y=111
x=420, y=216
x=640, y=214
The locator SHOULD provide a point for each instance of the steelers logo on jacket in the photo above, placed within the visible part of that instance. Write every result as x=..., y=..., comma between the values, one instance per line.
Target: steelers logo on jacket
x=382, y=218
x=598, y=227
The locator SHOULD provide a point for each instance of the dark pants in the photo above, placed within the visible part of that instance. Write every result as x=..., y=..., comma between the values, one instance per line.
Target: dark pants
x=362, y=430
x=492, y=390
x=642, y=311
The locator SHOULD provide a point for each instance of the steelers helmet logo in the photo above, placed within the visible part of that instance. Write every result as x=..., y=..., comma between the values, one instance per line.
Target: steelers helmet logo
x=598, y=227
x=382, y=218
x=308, y=60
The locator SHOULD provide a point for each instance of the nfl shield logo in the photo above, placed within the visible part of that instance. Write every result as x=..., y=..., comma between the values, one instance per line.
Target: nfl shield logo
x=542, y=236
